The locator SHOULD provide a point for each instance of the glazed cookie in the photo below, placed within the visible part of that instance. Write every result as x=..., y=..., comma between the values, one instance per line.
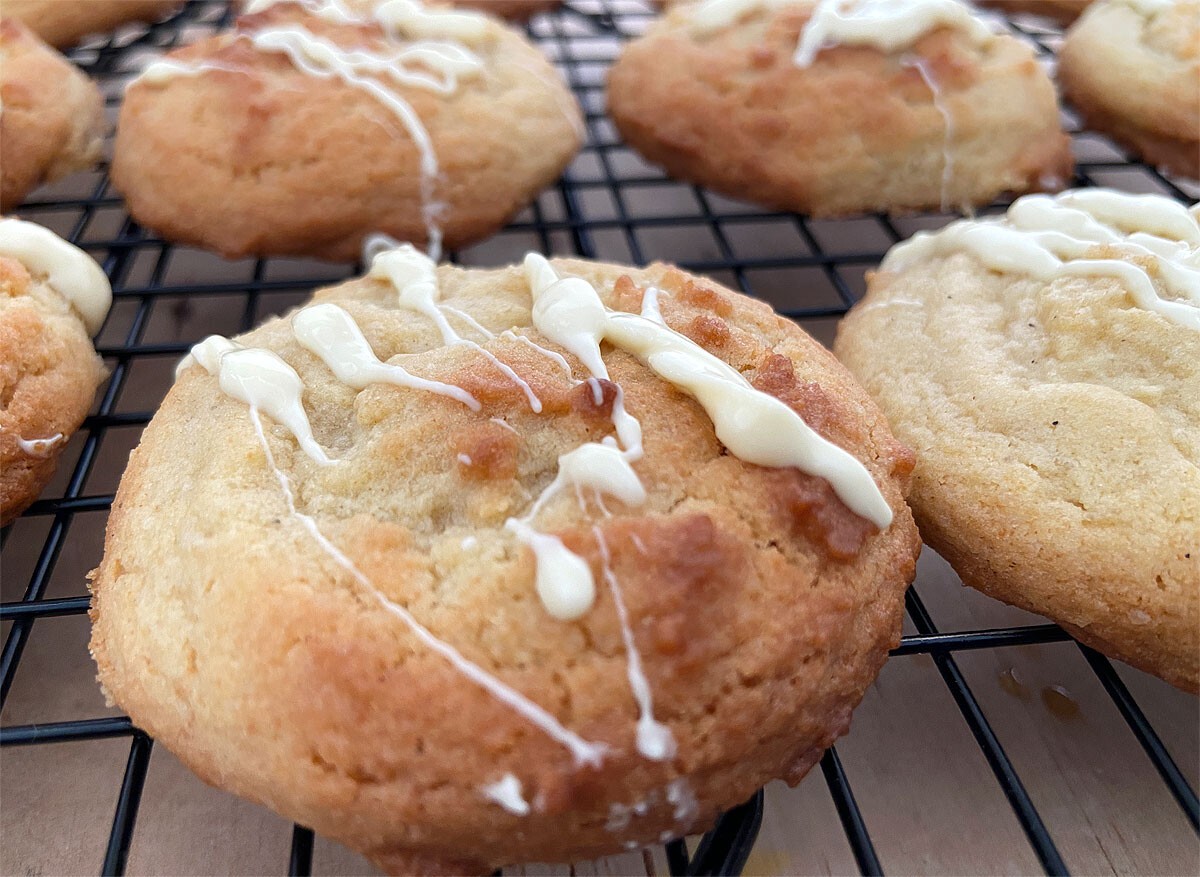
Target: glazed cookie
x=1046, y=368
x=517, y=10
x=833, y=108
x=1061, y=11
x=53, y=297
x=1132, y=69
x=514, y=10
x=313, y=125
x=63, y=23
x=51, y=116
x=464, y=568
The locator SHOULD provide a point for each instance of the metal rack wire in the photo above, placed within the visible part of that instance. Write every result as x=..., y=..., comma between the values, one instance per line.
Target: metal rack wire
x=608, y=206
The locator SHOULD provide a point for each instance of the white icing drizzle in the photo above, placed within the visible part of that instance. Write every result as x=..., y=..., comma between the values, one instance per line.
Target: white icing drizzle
x=889, y=25
x=583, y=751
x=926, y=72
x=435, y=62
x=469, y=320
x=683, y=799
x=569, y=313
x=654, y=739
x=262, y=380
x=506, y=792
x=68, y=270
x=433, y=66
x=754, y=426
x=504, y=424
x=620, y=815
x=163, y=70
x=330, y=10
x=1149, y=7
x=407, y=18
x=1085, y=232
x=414, y=19
x=562, y=578
x=414, y=277
x=331, y=333
x=40, y=447
x=552, y=355
x=321, y=58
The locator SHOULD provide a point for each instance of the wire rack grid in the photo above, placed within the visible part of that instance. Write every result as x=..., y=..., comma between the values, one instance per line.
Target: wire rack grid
x=608, y=205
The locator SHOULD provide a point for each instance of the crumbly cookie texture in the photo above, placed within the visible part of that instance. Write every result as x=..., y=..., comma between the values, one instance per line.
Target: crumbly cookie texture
x=254, y=156
x=1057, y=432
x=63, y=23
x=1061, y=11
x=860, y=129
x=1133, y=72
x=761, y=606
x=52, y=121
x=48, y=375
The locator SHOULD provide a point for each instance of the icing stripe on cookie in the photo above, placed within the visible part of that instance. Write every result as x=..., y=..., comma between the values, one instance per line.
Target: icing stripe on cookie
x=754, y=426
x=68, y=270
x=429, y=54
x=414, y=276
x=331, y=333
x=1086, y=232
x=583, y=751
x=889, y=25
x=568, y=311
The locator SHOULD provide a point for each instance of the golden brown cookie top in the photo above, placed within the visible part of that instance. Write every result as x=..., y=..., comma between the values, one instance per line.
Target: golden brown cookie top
x=48, y=369
x=737, y=611
x=464, y=115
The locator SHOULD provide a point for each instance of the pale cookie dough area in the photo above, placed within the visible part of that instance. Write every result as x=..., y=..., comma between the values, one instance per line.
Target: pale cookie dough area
x=477, y=538
x=1132, y=70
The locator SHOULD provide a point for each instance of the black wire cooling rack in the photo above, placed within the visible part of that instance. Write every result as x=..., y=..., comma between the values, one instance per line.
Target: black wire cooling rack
x=609, y=205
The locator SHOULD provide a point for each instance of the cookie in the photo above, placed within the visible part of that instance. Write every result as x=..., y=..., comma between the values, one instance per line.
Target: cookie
x=52, y=116
x=311, y=126
x=825, y=110
x=425, y=567
x=1045, y=366
x=516, y=10
x=63, y=23
x=1062, y=12
x=53, y=297
x=1132, y=70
